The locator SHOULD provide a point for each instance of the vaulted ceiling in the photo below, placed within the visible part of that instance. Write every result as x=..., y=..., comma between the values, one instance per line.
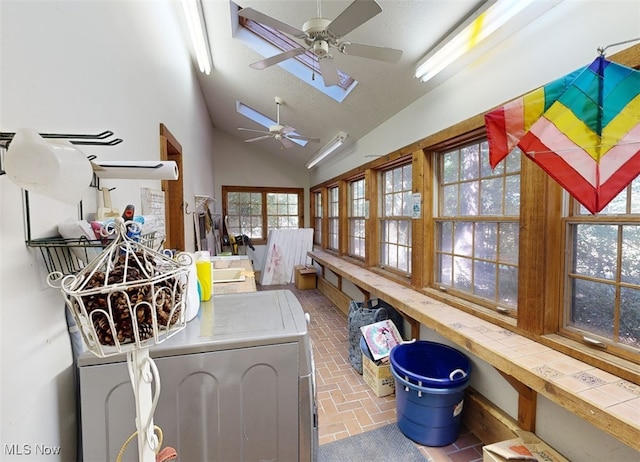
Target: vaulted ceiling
x=383, y=89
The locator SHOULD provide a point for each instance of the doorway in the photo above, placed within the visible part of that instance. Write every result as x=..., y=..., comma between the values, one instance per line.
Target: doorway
x=170, y=149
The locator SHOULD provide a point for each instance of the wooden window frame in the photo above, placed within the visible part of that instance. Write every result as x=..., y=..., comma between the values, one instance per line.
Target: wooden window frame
x=351, y=218
x=439, y=219
x=317, y=216
x=333, y=218
x=264, y=191
x=382, y=219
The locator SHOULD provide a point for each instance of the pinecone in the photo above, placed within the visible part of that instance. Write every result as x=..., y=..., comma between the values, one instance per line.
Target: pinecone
x=145, y=330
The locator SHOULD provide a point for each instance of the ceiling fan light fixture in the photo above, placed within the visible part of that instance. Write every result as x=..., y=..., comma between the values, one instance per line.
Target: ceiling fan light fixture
x=328, y=149
x=198, y=32
x=481, y=24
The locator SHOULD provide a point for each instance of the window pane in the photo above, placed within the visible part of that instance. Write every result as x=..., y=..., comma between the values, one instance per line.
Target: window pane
x=445, y=263
x=635, y=196
x=469, y=198
x=450, y=201
x=509, y=242
x=513, y=161
x=512, y=196
x=485, y=167
x=630, y=269
x=491, y=199
x=446, y=236
x=462, y=275
x=450, y=167
x=404, y=232
x=463, y=239
x=596, y=250
x=593, y=307
x=486, y=241
x=508, y=284
x=484, y=278
x=470, y=162
x=630, y=317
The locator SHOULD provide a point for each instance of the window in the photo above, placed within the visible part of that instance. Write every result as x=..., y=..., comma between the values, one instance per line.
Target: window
x=395, y=221
x=602, y=293
x=333, y=218
x=477, y=226
x=254, y=211
x=317, y=218
x=357, y=213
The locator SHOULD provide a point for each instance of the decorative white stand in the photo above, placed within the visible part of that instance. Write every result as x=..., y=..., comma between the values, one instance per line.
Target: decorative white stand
x=143, y=372
x=118, y=313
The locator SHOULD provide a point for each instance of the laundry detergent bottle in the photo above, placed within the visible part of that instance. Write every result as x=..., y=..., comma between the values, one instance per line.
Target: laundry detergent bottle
x=203, y=270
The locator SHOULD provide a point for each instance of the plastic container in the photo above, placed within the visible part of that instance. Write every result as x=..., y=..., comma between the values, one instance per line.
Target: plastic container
x=432, y=364
x=430, y=383
x=203, y=269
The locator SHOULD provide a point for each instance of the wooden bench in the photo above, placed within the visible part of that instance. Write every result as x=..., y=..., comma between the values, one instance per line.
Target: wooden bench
x=463, y=329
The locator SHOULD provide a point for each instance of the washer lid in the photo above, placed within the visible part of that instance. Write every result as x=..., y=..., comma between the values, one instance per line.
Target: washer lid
x=231, y=321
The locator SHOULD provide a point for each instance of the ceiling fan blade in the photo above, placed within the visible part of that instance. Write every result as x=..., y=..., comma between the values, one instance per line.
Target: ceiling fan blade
x=303, y=138
x=356, y=14
x=329, y=72
x=252, y=130
x=287, y=129
x=275, y=59
x=262, y=18
x=389, y=55
x=260, y=138
x=287, y=143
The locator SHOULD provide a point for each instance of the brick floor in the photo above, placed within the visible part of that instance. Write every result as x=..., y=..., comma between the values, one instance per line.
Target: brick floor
x=346, y=404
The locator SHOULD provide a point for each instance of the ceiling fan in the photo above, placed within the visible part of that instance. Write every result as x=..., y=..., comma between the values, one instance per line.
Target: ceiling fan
x=321, y=34
x=282, y=133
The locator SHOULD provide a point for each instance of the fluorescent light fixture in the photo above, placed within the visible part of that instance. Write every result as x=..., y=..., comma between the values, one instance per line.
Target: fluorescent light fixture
x=490, y=17
x=198, y=31
x=328, y=149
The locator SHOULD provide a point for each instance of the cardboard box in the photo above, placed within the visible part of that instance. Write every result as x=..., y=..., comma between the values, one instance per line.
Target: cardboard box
x=305, y=277
x=527, y=447
x=378, y=377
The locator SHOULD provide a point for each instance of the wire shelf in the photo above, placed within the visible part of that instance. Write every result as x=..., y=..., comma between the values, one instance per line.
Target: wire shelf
x=69, y=256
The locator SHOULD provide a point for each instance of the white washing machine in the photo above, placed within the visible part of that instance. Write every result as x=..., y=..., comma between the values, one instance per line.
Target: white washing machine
x=237, y=384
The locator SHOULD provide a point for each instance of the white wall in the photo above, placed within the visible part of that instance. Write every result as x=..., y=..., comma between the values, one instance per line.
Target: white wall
x=563, y=40
x=80, y=67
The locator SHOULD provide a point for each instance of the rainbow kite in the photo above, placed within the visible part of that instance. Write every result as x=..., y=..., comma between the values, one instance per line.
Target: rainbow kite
x=582, y=129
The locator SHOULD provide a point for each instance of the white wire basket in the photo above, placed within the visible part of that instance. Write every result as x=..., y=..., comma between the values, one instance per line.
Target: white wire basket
x=129, y=297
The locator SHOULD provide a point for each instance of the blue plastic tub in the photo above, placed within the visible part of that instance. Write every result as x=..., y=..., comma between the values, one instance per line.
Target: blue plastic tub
x=429, y=407
x=431, y=364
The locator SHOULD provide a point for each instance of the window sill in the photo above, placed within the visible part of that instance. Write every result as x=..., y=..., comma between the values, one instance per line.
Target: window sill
x=598, y=358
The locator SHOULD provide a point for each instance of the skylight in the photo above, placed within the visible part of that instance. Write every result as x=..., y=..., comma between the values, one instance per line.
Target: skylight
x=262, y=119
x=268, y=42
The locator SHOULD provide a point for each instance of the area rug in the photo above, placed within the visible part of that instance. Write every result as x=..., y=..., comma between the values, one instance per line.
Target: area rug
x=384, y=444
